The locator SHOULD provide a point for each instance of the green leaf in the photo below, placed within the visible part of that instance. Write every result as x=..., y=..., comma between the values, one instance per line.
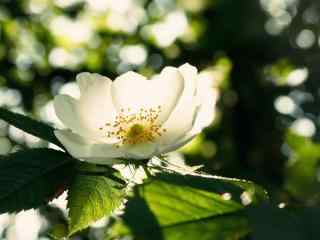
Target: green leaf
x=175, y=207
x=58, y=232
x=31, y=126
x=91, y=198
x=30, y=178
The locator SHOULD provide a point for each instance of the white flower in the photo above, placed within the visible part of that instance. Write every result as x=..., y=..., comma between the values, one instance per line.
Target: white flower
x=133, y=117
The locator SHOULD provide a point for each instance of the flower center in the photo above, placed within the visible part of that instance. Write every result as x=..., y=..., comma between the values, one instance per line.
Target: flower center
x=134, y=128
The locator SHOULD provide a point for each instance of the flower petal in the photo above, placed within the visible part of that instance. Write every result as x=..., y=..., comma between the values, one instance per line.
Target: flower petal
x=169, y=86
x=92, y=110
x=205, y=101
x=182, y=118
x=85, y=80
x=128, y=91
x=190, y=74
x=141, y=151
x=81, y=148
x=66, y=109
x=206, y=112
x=95, y=103
x=179, y=143
x=132, y=90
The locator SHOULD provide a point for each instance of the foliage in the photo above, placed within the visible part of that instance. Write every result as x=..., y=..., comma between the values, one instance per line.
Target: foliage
x=91, y=198
x=172, y=206
x=33, y=177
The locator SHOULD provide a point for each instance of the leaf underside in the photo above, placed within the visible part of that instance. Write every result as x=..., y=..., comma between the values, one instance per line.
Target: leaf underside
x=30, y=178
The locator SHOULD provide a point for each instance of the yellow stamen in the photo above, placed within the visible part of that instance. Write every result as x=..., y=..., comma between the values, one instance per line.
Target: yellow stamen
x=134, y=128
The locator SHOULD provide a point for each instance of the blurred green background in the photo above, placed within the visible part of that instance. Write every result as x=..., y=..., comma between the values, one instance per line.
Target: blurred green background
x=261, y=56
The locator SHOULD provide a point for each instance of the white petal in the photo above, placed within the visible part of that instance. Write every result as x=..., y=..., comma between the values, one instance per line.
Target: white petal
x=206, y=112
x=181, y=120
x=92, y=110
x=190, y=74
x=95, y=103
x=141, y=151
x=132, y=90
x=129, y=91
x=67, y=111
x=206, y=98
x=81, y=148
x=179, y=143
x=85, y=80
x=169, y=87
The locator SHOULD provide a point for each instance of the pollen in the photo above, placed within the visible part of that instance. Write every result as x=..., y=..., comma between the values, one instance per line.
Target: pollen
x=135, y=130
x=134, y=127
